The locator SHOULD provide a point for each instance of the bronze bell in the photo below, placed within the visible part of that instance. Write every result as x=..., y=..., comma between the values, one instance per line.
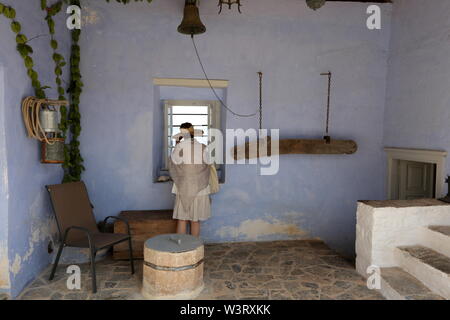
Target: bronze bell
x=191, y=23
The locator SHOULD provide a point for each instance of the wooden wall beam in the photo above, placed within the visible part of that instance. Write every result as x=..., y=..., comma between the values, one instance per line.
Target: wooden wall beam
x=294, y=146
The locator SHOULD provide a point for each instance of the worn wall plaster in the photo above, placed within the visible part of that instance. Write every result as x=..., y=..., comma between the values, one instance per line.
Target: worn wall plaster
x=4, y=195
x=42, y=230
x=131, y=45
x=124, y=47
x=258, y=228
x=89, y=16
x=27, y=209
x=4, y=266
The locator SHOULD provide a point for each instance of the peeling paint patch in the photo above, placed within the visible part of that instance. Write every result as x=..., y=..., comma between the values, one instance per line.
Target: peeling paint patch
x=4, y=267
x=17, y=265
x=89, y=16
x=5, y=180
x=254, y=229
x=42, y=229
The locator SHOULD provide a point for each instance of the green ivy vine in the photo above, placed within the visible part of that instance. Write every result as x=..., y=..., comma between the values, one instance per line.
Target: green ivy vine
x=70, y=120
x=57, y=58
x=74, y=161
x=24, y=49
x=60, y=62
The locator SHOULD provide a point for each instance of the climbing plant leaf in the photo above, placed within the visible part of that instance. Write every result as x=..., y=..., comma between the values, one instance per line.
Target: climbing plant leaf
x=15, y=27
x=73, y=164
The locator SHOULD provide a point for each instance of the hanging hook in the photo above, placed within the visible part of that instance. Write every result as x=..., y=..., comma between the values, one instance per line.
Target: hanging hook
x=327, y=125
x=260, y=74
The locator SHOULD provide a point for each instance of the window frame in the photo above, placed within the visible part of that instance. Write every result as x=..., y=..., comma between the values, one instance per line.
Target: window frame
x=213, y=119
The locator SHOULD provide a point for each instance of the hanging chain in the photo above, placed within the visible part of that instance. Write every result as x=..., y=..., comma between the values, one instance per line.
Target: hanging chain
x=260, y=74
x=327, y=124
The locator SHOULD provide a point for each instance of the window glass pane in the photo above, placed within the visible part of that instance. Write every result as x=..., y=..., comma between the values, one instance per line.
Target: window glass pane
x=199, y=116
x=203, y=140
x=175, y=130
x=196, y=120
x=190, y=109
x=171, y=143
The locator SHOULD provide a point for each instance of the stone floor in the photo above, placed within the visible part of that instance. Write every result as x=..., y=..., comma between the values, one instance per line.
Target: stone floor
x=300, y=270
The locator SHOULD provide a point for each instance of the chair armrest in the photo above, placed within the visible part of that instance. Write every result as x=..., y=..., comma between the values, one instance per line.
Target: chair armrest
x=86, y=231
x=120, y=219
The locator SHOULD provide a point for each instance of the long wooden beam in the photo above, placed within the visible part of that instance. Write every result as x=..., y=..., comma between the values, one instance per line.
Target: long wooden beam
x=293, y=146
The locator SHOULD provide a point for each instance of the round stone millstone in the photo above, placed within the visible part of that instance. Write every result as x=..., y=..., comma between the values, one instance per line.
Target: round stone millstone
x=173, y=267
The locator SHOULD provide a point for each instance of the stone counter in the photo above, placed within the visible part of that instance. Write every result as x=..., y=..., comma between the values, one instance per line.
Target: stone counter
x=384, y=225
x=404, y=203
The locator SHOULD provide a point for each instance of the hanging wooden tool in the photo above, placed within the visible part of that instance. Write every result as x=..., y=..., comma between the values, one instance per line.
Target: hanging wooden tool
x=298, y=146
x=295, y=146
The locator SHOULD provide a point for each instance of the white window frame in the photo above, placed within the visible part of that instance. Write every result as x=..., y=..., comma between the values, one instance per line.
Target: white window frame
x=213, y=119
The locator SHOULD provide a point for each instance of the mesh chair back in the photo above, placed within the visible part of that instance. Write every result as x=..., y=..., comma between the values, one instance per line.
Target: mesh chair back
x=72, y=207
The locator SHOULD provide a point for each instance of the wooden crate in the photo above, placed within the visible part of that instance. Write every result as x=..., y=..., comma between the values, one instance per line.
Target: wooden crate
x=143, y=225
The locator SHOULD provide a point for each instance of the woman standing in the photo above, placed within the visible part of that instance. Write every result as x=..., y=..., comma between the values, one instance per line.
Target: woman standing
x=190, y=170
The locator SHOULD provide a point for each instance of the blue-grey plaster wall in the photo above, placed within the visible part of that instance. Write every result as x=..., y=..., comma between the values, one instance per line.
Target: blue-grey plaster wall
x=418, y=97
x=30, y=219
x=125, y=47
x=4, y=260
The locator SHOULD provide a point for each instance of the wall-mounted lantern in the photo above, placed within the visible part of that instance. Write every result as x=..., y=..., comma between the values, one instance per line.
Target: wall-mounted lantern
x=229, y=3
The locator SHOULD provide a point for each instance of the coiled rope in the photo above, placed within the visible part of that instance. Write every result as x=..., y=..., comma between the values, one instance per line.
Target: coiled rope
x=31, y=108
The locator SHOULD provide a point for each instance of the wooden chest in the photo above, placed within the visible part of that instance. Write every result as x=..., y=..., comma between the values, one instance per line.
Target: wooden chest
x=143, y=225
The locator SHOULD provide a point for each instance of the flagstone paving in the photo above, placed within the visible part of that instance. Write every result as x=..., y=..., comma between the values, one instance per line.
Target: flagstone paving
x=286, y=270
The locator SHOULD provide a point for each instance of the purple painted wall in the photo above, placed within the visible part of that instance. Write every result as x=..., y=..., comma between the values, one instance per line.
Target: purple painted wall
x=4, y=260
x=125, y=47
x=30, y=225
x=418, y=97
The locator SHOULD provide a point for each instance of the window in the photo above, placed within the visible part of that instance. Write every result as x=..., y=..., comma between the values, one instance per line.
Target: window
x=203, y=115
